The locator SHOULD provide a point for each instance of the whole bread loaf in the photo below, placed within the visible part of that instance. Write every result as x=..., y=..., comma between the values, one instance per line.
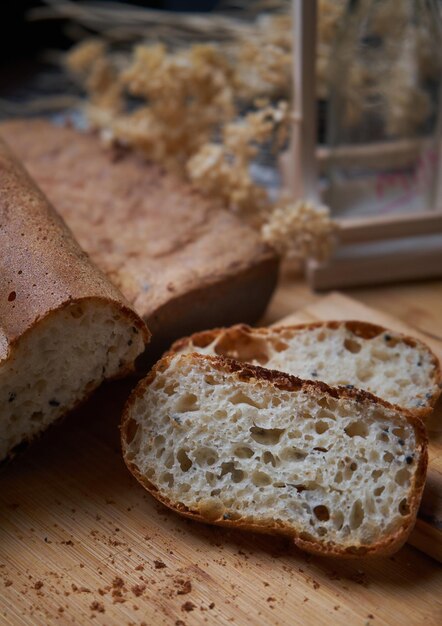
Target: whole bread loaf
x=399, y=369
x=183, y=262
x=64, y=328
x=338, y=470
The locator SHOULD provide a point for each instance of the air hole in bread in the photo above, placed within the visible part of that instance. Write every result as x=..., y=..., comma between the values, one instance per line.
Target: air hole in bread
x=242, y=398
x=356, y=515
x=383, y=437
x=243, y=348
x=226, y=468
x=322, y=513
x=186, y=403
x=158, y=441
x=243, y=452
x=388, y=457
x=376, y=474
x=220, y=414
x=402, y=476
x=404, y=507
x=167, y=478
x=399, y=432
x=210, y=478
x=269, y=459
x=170, y=460
x=160, y=452
x=238, y=475
x=261, y=479
x=170, y=388
x=183, y=460
x=357, y=429
x=206, y=456
x=338, y=477
x=352, y=345
x=294, y=434
x=293, y=454
x=266, y=436
x=209, y=379
x=338, y=520
x=378, y=491
x=321, y=427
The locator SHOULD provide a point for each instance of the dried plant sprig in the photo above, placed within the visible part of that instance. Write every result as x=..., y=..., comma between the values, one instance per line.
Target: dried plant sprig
x=300, y=230
x=222, y=170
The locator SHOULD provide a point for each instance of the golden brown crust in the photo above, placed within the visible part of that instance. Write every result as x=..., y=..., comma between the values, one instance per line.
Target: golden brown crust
x=364, y=330
x=253, y=374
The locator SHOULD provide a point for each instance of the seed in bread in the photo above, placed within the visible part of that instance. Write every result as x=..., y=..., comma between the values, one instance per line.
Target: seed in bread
x=399, y=369
x=339, y=471
x=63, y=327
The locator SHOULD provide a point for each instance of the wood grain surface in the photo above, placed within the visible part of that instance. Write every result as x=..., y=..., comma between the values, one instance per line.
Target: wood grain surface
x=81, y=543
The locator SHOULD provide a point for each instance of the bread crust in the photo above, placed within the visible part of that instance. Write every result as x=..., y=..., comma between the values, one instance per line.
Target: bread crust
x=252, y=374
x=42, y=268
x=364, y=330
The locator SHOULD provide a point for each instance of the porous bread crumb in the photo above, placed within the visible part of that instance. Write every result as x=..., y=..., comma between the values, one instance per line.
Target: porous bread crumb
x=74, y=350
x=234, y=447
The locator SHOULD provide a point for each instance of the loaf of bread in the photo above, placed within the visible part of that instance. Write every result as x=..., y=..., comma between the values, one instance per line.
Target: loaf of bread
x=183, y=262
x=63, y=327
x=338, y=470
x=399, y=369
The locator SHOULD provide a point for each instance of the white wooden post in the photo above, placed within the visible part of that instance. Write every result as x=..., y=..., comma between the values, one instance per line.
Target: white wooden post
x=304, y=180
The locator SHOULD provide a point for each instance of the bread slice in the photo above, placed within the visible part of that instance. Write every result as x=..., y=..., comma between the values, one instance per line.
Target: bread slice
x=63, y=327
x=399, y=369
x=183, y=262
x=338, y=470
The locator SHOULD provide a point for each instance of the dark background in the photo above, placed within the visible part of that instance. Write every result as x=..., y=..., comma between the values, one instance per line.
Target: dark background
x=21, y=39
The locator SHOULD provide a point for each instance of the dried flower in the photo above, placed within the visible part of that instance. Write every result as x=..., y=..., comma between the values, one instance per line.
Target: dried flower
x=300, y=229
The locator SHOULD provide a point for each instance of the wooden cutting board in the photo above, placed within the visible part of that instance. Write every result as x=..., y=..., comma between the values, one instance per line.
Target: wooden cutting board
x=81, y=542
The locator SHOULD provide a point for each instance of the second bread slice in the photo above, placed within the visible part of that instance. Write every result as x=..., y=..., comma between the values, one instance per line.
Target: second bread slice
x=339, y=471
x=399, y=369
